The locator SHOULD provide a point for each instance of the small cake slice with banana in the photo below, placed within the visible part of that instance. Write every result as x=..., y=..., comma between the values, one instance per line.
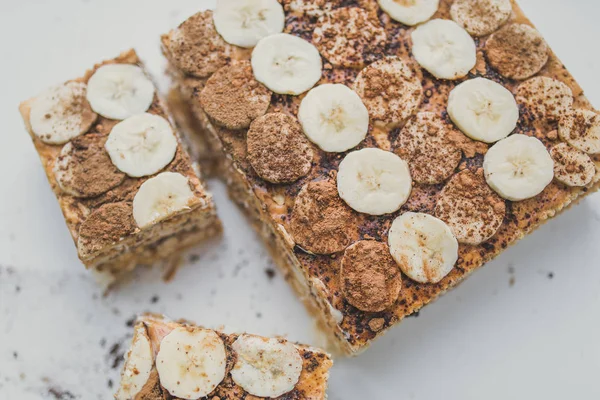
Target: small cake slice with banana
x=385, y=149
x=180, y=360
x=121, y=173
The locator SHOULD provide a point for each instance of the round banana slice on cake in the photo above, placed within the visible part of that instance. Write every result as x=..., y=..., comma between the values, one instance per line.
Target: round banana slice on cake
x=581, y=129
x=423, y=246
x=481, y=17
x=483, y=109
x=471, y=209
x=517, y=51
x=118, y=91
x=334, y=117
x=266, y=367
x=374, y=181
x=390, y=89
x=518, y=167
x=444, y=49
x=139, y=362
x=350, y=37
x=244, y=22
x=571, y=166
x=545, y=97
x=141, y=145
x=191, y=362
x=409, y=12
x=286, y=64
x=160, y=197
x=61, y=113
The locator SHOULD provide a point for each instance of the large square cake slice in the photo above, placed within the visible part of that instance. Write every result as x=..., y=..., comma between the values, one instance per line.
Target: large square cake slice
x=127, y=188
x=385, y=150
x=180, y=360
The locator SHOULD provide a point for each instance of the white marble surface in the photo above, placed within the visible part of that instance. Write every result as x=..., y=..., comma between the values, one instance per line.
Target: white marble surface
x=524, y=327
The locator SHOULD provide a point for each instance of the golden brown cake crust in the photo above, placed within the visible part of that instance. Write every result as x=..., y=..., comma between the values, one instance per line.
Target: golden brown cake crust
x=355, y=328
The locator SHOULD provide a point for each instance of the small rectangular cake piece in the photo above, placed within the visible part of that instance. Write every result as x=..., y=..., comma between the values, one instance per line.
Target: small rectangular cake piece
x=124, y=181
x=385, y=151
x=169, y=360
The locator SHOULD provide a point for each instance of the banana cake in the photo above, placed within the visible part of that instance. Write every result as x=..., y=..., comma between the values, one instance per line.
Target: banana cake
x=384, y=149
x=179, y=360
x=127, y=188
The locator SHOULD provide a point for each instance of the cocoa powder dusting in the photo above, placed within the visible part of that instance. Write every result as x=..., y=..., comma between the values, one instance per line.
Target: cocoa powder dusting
x=105, y=226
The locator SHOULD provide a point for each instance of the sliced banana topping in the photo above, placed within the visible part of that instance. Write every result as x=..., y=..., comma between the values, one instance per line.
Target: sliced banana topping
x=471, y=209
x=369, y=276
x=233, y=98
x=483, y=109
x=350, y=37
x=390, y=89
x=266, y=367
x=244, y=22
x=517, y=51
x=191, y=362
x=334, y=117
x=409, y=12
x=423, y=246
x=141, y=145
x=545, y=98
x=481, y=17
x=138, y=365
x=286, y=64
x=571, y=166
x=321, y=223
x=83, y=167
x=444, y=49
x=374, y=181
x=105, y=227
x=311, y=8
x=581, y=129
x=160, y=197
x=424, y=143
x=518, y=167
x=61, y=113
x=196, y=47
x=118, y=91
x=277, y=149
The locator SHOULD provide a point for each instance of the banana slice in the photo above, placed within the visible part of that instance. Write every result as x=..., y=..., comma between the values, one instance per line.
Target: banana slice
x=374, y=181
x=571, y=166
x=545, y=97
x=471, y=209
x=481, y=17
x=390, y=89
x=334, y=117
x=581, y=129
x=444, y=49
x=266, y=367
x=350, y=37
x=191, y=362
x=117, y=223
x=423, y=246
x=286, y=64
x=196, y=48
x=83, y=167
x=424, y=143
x=369, y=276
x=61, y=113
x=118, y=91
x=233, y=98
x=160, y=197
x=410, y=12
x=141, y=145
x=518, y=167
x=244, y=22
x=517, y=51
x=138, y=365
x=483, y=109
